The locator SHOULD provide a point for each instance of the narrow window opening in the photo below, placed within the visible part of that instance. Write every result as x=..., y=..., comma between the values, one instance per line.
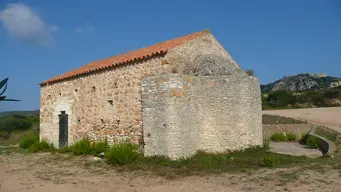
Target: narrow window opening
x=111, y=102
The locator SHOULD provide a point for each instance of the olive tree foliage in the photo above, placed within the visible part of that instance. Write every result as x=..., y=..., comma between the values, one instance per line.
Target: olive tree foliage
x=3, y=87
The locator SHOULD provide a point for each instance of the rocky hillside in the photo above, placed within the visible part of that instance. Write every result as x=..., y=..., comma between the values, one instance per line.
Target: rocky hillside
x=303, y=82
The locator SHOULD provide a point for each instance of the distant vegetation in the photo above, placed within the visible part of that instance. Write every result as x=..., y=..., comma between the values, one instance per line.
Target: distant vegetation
x=16, y=126
x=24, y=113
x=281, y=99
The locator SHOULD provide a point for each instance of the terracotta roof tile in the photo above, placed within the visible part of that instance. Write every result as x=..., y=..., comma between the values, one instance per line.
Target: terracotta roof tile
x=128, y=57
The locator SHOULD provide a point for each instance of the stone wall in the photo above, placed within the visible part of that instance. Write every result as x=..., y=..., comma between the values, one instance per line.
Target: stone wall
x=183, y=114
x=107, y=104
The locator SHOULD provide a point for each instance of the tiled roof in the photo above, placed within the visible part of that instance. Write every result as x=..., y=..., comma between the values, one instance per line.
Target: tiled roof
x=125, y=58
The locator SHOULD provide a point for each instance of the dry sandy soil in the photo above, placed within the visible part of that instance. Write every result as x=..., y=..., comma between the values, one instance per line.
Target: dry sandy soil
x=329, y=117
x=54, y=173
x=45, y=172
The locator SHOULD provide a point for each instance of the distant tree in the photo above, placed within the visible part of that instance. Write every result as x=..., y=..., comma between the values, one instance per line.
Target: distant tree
x=3, y=84
x=281, y=99
x=312, y=96
x=250, y=72
x=332, y=93
x=11, y=123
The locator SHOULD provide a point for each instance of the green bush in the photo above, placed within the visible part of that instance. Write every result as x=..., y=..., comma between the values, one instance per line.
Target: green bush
x=85, y=147
x=99, y=147
x=280, y=99
x=279, y=136
x=122, y=153
x=81, y=147
x=41, y=146
x=33, y=119
x=291, y=137
x=332, y=94
x=27, y=141
x=313, y=142
x=11, y=123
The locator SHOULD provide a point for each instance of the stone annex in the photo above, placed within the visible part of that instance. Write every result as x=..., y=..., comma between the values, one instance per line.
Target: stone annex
x=172, y=98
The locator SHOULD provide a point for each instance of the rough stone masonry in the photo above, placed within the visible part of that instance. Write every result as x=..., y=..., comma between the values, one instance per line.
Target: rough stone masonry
x=172, y=98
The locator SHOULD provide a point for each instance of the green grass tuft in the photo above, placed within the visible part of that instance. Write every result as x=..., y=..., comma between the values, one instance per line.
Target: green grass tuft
x=99, y=147
x=313, y=142
x=122, y=153
x=283, y=136
x=291, y=137
x=27, y=141
x=81, y=147
x=43, y=146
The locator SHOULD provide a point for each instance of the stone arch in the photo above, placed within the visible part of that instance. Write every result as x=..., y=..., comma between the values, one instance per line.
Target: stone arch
x=211, y=65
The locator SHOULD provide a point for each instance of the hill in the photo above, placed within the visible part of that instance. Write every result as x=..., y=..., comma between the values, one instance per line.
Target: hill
x=302, y=82
x=25, y=113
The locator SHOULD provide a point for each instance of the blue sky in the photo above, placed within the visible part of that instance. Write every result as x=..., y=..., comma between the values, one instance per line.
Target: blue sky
x=40, y=39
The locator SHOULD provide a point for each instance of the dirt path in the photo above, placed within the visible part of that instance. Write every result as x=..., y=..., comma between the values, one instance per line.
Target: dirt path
x=54, y=173
x=329, y=117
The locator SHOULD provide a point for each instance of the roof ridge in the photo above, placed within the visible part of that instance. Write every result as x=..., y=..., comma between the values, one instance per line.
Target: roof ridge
x=127, y=57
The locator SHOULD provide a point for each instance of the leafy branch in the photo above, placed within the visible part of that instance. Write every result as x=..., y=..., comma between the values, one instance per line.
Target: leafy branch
x=3, y=85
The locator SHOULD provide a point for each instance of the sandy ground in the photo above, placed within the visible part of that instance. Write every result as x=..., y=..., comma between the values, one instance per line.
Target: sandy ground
x=55, y=173
x=329, y=117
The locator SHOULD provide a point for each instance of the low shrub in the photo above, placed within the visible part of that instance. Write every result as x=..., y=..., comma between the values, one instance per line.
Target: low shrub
x=81, y=147
x=41, y=146
x=12, y=123
x=122, y=153
x=85, y=147
x=291, y=137
x=283, y=136
x=27, y=141
x=313, y=142
x=99, y=147
x=280, y=136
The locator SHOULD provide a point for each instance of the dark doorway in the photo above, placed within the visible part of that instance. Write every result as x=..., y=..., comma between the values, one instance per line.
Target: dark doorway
x=63, y=129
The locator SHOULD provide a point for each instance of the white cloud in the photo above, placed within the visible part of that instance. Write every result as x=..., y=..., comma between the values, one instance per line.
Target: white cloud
x=22, y=22
x=86, y=28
